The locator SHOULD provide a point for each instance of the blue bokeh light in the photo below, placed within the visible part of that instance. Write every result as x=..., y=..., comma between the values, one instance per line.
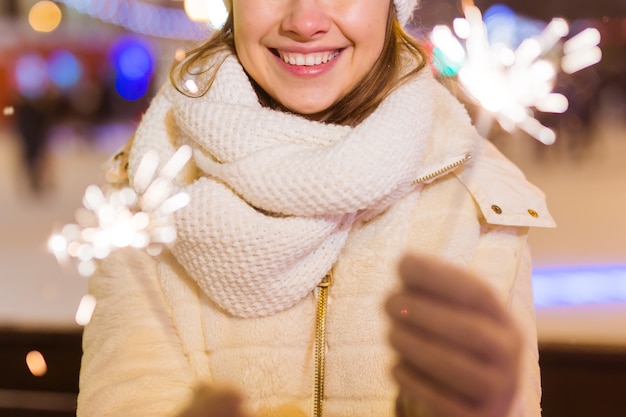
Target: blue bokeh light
x=31, y=75
x=64, y=69
x=131, y=89
x=133, y=61
x=579, y=285
x=501, y=24
x=505, y=27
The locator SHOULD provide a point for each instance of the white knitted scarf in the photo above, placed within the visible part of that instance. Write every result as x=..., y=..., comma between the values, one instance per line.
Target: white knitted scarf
x=277, y=194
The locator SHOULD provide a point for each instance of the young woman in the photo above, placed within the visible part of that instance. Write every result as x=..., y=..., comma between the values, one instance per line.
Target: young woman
x=352, y=246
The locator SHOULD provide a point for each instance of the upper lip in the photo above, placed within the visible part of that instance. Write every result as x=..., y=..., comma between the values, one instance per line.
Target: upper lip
x=305, y=51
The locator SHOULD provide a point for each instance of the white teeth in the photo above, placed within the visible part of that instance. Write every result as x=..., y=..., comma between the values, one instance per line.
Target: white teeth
x=308, y=59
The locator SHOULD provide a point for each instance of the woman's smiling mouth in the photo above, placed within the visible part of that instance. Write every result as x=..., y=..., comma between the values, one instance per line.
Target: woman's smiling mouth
x=310, y=59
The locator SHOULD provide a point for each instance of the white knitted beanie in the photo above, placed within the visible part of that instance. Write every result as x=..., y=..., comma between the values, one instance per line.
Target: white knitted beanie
x=404, y=9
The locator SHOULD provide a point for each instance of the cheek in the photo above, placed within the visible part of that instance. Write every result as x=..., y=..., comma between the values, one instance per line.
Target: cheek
x=372, y=46
x=367, y=25
x=245, y=41
x=244, y=24
x=252, y=22
x=254, y=15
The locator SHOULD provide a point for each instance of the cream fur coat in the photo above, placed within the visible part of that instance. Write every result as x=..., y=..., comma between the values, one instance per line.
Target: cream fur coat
x=155, y=334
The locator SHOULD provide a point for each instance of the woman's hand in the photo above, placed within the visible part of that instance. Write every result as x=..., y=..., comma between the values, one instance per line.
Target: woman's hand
x=215, y=402
x=459, y=349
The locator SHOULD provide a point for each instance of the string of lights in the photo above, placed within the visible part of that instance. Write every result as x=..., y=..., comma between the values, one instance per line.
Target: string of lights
x=142, y=18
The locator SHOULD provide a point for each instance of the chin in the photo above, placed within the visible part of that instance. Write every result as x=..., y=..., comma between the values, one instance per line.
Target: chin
x=308, y=109
x=306, y=101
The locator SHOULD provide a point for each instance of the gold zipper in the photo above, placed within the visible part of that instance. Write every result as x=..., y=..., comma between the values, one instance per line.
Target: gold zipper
x=443, y=170
x=320, y=342
x=322, y=305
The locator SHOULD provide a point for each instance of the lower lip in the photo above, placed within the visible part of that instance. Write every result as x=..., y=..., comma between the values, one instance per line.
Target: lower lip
x=310, y=70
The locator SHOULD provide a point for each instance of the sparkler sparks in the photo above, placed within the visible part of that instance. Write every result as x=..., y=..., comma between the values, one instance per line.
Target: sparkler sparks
x=508, y=84
x=85, y=310
x=138, y=217
x=8, y=111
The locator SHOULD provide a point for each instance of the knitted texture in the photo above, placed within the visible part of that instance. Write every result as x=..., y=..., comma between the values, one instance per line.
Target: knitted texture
x=404, y=9
x=278, y=194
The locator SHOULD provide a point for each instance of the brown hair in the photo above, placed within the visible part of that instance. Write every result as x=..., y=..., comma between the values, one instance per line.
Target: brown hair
x=386, y=75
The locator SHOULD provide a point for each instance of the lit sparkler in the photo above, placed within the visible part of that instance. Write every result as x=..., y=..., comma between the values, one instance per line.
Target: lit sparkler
x=138, y=217
x=8, y=111
x=508, y=84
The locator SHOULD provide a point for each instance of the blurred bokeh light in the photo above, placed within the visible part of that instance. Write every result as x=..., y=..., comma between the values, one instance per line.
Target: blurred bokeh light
x=134, y=66
x=44, y=16
x=31, y=75
x=64, y=69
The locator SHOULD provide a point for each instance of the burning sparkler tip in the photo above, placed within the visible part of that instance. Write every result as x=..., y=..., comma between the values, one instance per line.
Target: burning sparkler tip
x=126, y=217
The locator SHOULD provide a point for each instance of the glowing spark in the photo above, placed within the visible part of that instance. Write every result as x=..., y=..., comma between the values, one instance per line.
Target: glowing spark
x=36, y=363
x=212, y=11
x=138, y=217
x=192, y=86
x=509, y=84
x=462, y=28
x=180, y=54
x=85, y=310
x=581, y=51
x=8, y=111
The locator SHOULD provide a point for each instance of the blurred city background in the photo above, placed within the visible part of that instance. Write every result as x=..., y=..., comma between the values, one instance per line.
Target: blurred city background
x=76, y=76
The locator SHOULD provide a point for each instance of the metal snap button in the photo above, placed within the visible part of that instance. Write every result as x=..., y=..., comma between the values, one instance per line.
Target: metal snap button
x=496, y=209
x=533, y=213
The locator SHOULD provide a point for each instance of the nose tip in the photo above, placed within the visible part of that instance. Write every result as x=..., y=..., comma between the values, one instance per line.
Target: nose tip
x=306, y=19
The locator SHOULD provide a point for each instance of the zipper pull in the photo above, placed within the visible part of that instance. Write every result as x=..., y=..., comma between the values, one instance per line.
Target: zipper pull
x=327, y=281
